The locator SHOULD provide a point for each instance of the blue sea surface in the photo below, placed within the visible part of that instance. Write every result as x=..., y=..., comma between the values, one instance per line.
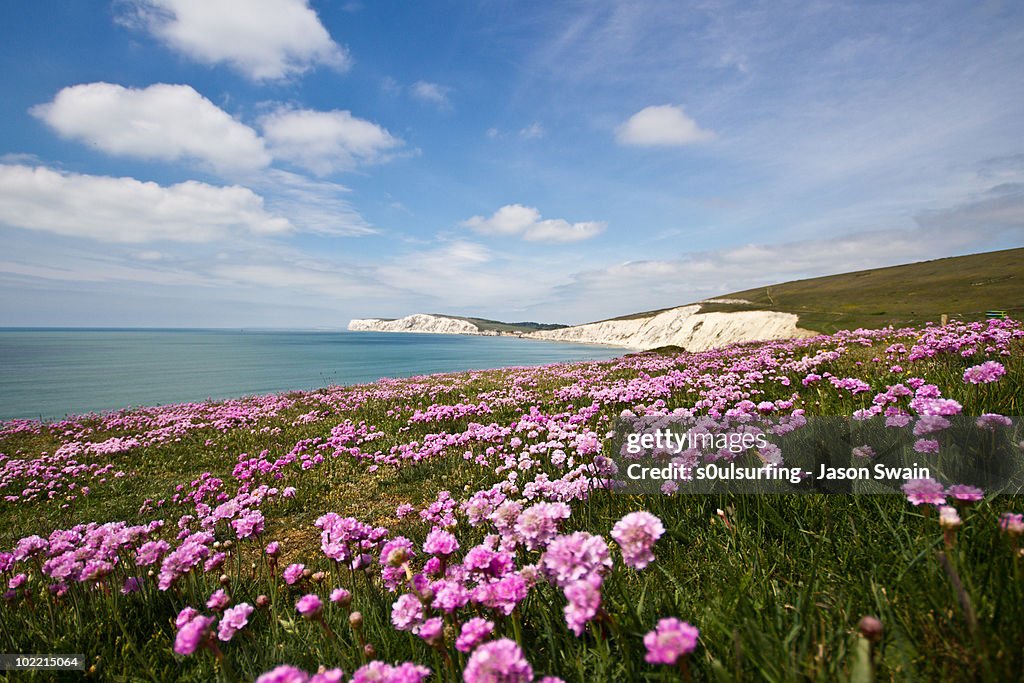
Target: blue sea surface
x=50, y=373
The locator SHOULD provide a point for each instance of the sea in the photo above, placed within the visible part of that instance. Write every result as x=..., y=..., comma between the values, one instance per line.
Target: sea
x=51, y=373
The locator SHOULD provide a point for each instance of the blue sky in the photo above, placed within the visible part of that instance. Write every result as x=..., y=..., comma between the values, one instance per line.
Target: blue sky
x=283, y=163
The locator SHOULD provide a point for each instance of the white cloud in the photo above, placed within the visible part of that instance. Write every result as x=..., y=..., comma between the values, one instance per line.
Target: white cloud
x=165, y=122
x=432, y=93
x=532, y=131
x=661, y=125
x=516, y=219
x=128, y=210
x=312, y=206
x=326, y=141
x=262, y=39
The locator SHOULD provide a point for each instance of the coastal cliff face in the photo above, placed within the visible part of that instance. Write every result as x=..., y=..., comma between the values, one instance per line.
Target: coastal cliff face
x=685, y=327
x=418, y=322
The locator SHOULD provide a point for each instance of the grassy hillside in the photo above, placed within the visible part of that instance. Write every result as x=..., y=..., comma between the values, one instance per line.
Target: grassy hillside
x=964, y=287
x=498, y=326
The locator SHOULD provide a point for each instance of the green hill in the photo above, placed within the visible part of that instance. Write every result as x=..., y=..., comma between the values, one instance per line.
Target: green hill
x=963, y=287
x=498, y=326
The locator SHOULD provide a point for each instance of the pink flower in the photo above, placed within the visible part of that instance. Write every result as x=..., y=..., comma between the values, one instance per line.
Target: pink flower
x=669, y=641
x=284, y=674
x=538, y=524
x=992, y=420
x=233, y=620
x=965, y=493
x=499, y=661
x=473, y=633
x=989, y=371
x=292, y=573
x=407, y=612
x=636, y=534
x=925, y=491
x=273, y=549
x=309, y=606
x=570, y=558
x=184, y=616
x=1012, y=523
x=380, y=672
x=440, y=542
x=431, y=629
x=219, y=600
x=584, y=598
x=341, y=597
x=193, y=635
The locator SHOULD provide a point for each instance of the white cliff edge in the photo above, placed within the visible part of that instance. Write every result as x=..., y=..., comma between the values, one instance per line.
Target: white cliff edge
x=418, y=322
x=684, y=326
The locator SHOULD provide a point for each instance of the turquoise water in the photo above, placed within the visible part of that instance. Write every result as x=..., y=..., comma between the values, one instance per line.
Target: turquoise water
x=50, y=373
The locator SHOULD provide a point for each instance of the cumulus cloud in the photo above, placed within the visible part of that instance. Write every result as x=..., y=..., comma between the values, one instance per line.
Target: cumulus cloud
x=326, y=141
x=164, y=122
x=432, y=93
x=661, y=125
x=262, y=39
x=525, y=221
x=127, y=210
x=532, y=131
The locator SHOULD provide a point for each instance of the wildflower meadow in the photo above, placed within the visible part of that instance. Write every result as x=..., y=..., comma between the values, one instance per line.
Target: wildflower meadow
x=468, y=527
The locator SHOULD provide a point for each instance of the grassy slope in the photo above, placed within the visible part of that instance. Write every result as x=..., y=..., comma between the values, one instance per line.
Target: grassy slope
x=963, y=287
x=498, y=326
x=776, y=593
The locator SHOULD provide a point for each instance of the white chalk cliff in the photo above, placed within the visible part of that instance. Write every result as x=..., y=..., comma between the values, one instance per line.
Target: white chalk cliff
x=684, y=326
x=417, y=322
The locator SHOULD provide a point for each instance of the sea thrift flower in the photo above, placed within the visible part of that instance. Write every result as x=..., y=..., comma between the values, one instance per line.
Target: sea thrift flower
x=636, y=534
x=380, y=672
x=273, y=549
x=292, y=573
x=309, y=606
x=925, y=491
x=431, y=629
x=407, y=612
x=184, y=616
x=669, y=641
x=473, y=633
x=538, y=524
x=989, y=371
x=570, y=558
x=964, y=493
x=863, y=452
x=233, y=620
x=929, y=446
x=193, y=635
x=1012, y=523
x=341, y=597
x=151, y=552
x=284, y=674
x=396, y=552
x=500, y=661
x=991, y=421
x=948, y=517
x=219, y=600
x=440, y=542
x=584, y=598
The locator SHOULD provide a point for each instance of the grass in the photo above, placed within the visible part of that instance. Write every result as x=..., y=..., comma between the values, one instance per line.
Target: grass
x=963, y=287
x=776, y=584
